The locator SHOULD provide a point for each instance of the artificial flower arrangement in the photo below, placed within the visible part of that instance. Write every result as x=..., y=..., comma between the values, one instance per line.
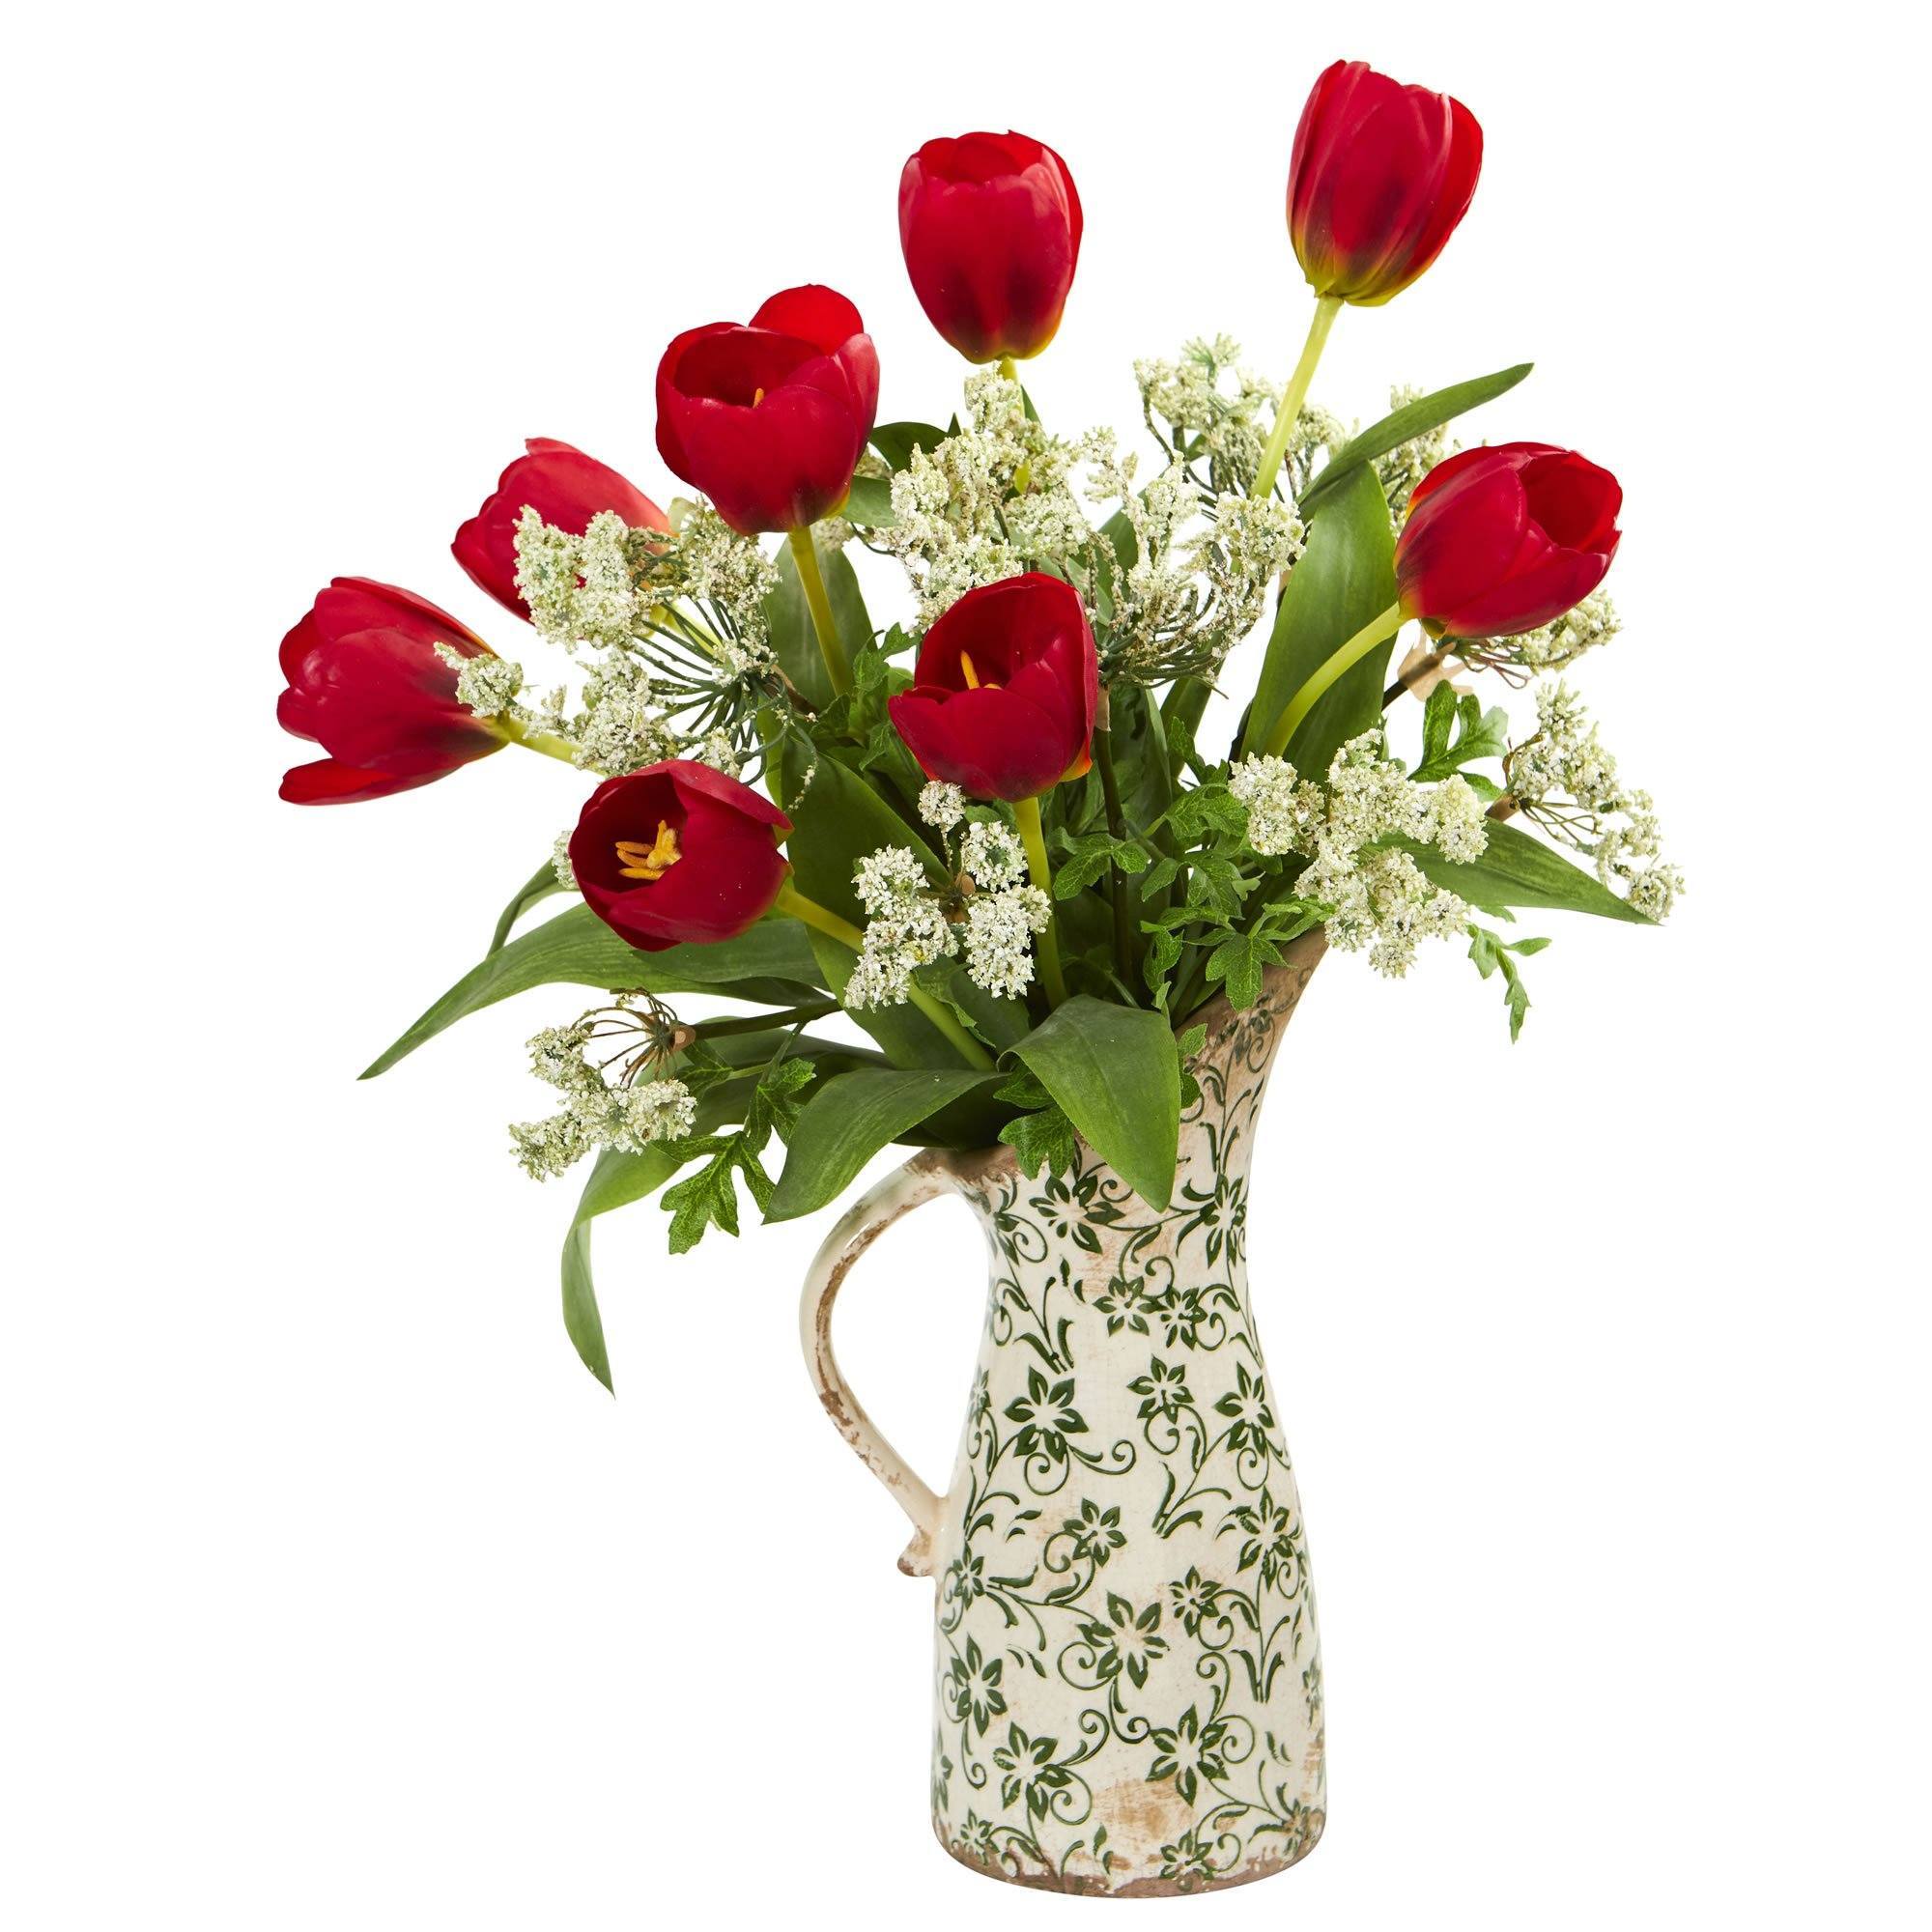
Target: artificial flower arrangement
x=990, y=831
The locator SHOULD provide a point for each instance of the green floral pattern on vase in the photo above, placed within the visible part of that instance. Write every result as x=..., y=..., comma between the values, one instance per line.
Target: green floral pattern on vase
x=1127, y=1680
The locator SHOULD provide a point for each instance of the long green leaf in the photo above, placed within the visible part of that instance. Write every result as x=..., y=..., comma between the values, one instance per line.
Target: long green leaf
x=616, y=1181
x=1405, y=425
x=1518, y=871
x=772, y=963
x=848, y=1120
x=795, y=641
x=1114, y=1072
x=541, y=885
x=1346, y=579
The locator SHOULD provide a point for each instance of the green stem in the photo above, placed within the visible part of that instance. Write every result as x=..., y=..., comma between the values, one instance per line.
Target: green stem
x=1373, y=633
x=1326, y=308
x=532, y=740
x=793, y=903
x=805, y=554
x=799, y=1016
x=1026, y=814
x=1121, y=893
x=1010, y=369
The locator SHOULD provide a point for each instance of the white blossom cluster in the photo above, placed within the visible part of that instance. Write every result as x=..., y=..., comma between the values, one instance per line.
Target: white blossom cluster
x=1378, y=896
x=985, y=504
x=1592, y=623
x=1566, y=781
x=486, y=685
x=1200, y=574
x=989, y=916
x=1187, y=405
x=595, y=1113
x=672, y=627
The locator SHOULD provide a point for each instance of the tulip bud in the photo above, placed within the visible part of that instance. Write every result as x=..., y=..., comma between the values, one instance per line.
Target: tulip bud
x=1380, y=177
x=678, y=853
x=1505, y=540
x=1005, y=690
x=770, y=420
x=566, y=488
x=991, y=226
x=366, y=682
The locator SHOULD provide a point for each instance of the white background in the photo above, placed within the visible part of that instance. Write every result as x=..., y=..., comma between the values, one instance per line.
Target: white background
x=336, y=1593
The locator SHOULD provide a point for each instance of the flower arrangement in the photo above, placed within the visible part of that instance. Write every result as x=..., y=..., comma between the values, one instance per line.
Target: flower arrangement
x=991, y=833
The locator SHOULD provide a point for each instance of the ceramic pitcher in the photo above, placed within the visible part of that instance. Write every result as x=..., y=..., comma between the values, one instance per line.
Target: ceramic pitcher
x=1127, y=1682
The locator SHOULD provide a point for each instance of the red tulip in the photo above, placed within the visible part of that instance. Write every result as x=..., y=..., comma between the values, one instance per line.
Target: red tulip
x=365, y=682
x=1003, y=693
x=678, y=852
x=1503, y=540
x=566, y=488
x=1380, y=176
x=770, y=420
x=990, y=225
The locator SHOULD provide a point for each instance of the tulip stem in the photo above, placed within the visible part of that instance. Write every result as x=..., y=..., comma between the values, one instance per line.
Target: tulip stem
x=1373, y=633
x=1025, y=815
x=794, y=903
x=1326, y=308
x=805, y=554
x=1010, y=369
x=532, y=740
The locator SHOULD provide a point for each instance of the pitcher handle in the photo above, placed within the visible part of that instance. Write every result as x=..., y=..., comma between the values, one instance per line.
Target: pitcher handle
x=875, y=1210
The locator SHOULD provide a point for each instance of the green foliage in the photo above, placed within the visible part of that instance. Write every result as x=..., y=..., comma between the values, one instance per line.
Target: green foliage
x=709, y=1198
x=848, y=1120
x=896, y=442
x=869, y=504
x=1492, y=954
x=1518, y=871
x=1457, y=731
x=1088, y=858
x=1344, y=579
x=795, y=640
x=1405, y=425
x=1041, y=1136
x=771, y=963
x=541, y=885
x=1111, y=1069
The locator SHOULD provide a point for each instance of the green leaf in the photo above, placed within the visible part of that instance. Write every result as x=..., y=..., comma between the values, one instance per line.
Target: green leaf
x=709, y=1198
x=616, y=1179
x=894, y=441
x=539, y=886
x=1478, y=733
x=773, y=963
x=1405, y=425
x=869, y=503
x=1345, y=577
x=1112, y=1070
x=1492, y=952
x=849, y=1119
x=1042, y=1139
x=794, y=639
x=1518, y=871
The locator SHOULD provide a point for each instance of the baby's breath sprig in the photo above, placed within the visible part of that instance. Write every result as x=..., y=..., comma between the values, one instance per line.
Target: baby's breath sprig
x=1565, y=781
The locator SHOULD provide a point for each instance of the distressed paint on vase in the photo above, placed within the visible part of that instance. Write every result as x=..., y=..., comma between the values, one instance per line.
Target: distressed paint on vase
x=1127, y=1677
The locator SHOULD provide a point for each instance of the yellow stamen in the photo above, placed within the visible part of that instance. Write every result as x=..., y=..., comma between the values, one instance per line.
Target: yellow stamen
x=757, y=397
x=974, y=681
x=650, y=863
